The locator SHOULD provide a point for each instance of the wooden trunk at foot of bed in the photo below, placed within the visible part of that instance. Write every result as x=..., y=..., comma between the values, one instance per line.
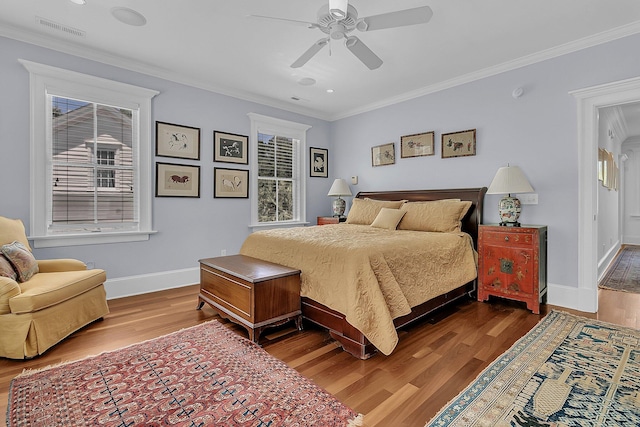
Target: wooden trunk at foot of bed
x=351, y=339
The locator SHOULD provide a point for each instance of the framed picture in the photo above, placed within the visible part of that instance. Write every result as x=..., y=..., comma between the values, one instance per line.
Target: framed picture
x=459, y=144
x=230, y=148
x=230, y=183
x=177, y=141
x=319, y=162
x=419, y=144
x=384, y=154
x=177, y=180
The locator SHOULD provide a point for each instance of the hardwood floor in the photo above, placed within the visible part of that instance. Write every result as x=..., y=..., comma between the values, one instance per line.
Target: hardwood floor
x=434, y=361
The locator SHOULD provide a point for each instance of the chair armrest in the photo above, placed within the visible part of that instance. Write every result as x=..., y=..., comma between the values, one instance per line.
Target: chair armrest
x=63, y=264
x=8, y=289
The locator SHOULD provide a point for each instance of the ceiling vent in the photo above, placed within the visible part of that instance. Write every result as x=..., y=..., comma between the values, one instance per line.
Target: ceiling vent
x=59, y=27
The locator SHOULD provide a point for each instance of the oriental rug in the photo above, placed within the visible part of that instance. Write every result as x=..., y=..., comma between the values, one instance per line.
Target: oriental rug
x=567, y=371
x=205, y=375
x=624, y=272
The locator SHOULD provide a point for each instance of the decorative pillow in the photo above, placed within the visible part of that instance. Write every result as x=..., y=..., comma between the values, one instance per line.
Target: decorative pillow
x=6, y=269
x=437, y=215
x=22, y=260
x=364, y=211
x=388, y=218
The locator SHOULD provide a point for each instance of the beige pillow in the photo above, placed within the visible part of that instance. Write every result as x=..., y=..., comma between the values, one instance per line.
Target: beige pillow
x=437, y=215
x=388, y=218
x=364, y=211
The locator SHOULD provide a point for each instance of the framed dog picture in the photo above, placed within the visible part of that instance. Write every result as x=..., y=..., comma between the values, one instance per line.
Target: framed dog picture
x=177, y=180
x=459, y=144
x=230, y=148
x=319, y=162
x=230, y=183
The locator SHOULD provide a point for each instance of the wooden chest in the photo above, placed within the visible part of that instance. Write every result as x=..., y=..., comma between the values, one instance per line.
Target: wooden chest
x=254, y=293
x=512, y=263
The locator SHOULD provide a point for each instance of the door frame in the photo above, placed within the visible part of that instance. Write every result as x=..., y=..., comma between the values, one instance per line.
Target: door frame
x=589, y=102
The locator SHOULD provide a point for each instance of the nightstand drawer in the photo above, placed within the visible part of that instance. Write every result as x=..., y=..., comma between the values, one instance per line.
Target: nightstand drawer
x=510, y=238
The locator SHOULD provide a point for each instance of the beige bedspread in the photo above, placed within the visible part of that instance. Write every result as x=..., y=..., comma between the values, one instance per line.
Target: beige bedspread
x=370, y=275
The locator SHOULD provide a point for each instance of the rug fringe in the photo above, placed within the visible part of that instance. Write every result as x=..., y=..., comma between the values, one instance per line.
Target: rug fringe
x=357, y=421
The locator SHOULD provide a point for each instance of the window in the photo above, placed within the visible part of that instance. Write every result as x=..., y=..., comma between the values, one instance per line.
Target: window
x=277, y=193
x=91, y=168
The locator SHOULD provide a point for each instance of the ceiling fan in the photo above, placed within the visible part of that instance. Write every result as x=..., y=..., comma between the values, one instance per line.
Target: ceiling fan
x=339, y=19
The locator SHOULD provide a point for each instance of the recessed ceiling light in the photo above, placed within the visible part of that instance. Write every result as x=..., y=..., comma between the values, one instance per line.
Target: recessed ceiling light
x=329, y=90
x=79, y=1
x=128, y=16
x=306, y=81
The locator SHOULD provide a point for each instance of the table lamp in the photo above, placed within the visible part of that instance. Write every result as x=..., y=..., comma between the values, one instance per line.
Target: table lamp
x=508, y=180
x=339, y=188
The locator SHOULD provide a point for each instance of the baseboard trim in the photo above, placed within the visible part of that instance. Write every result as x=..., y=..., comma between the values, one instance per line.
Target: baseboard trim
x=580, y=299
x=153, y=282
x=563, y=296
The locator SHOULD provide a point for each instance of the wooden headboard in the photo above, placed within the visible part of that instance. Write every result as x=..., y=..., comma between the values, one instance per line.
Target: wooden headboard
x=470, y=222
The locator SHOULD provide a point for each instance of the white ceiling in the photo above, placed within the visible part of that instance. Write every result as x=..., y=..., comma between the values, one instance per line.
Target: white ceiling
x=214, y=44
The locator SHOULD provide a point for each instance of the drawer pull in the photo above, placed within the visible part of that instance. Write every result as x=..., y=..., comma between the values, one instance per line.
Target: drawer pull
x=506, y=238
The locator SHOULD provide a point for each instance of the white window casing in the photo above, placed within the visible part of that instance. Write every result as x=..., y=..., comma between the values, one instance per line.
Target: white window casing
x=46, y=81
x=284, y=128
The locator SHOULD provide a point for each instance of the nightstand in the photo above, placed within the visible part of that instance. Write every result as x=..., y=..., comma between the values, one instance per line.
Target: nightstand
x=512, y=263
x=324, y=220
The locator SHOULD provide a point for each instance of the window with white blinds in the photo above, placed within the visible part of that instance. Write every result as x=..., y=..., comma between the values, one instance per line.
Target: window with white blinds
x=278, y=190
x=91, y=151
x=276, y=183
x=92, y=166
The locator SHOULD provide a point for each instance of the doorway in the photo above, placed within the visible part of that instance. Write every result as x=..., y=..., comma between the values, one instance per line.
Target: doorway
x=589, y=102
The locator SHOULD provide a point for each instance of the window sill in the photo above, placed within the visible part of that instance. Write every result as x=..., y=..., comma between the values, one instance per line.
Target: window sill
x=90, y=239
x=271, y=225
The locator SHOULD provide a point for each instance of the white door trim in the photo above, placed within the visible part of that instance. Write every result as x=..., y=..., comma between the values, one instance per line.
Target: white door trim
x=590, y=100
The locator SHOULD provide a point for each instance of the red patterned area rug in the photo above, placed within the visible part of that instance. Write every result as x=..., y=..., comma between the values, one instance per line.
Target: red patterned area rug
x=624, y=272
x=205, y=375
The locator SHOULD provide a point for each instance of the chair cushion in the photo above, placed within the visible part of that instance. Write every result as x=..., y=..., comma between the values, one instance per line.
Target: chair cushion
x=12, y=230
x=48, y=289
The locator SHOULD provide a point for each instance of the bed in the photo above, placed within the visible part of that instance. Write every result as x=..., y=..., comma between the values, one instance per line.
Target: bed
x=364, y=279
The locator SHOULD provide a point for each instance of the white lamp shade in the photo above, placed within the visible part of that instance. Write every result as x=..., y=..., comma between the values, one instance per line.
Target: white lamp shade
x=509, y=179
x=339, y=188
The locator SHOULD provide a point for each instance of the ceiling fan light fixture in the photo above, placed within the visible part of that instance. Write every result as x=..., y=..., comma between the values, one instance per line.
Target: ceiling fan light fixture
x=338, y=9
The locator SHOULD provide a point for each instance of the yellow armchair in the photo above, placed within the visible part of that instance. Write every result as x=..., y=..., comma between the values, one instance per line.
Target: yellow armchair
x=60, y=298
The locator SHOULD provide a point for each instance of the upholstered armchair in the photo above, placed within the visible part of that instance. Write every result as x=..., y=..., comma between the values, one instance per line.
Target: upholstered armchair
x=42, y=301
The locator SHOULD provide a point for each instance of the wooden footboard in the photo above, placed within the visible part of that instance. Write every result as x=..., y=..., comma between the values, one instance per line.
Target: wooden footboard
x=352, y=340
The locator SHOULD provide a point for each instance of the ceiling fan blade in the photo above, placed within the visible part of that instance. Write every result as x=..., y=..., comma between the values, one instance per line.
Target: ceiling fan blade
x=310, y=53
x=363, y=53
x=293, y=21
x=401, y=18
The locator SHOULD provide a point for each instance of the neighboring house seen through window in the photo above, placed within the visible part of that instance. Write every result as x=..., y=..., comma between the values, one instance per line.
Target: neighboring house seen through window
x=92, y=159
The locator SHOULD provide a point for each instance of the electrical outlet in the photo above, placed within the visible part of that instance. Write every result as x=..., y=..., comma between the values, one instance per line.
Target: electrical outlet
x=90, y=265
x=223, y=252
x=528, y=199
x=354, y=180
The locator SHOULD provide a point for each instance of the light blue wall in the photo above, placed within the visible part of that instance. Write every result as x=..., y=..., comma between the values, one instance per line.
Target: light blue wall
x=188, y=229
x=537, y=132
